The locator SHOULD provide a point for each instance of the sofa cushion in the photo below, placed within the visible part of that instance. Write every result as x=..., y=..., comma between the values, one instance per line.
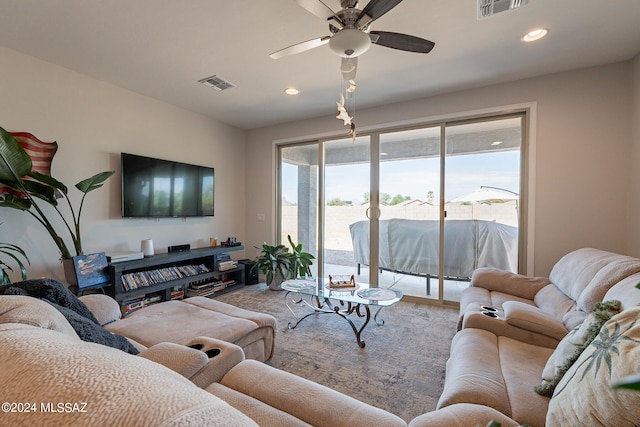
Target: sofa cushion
x=74, y=311
x=179, y=322
x=584, y=395
x=276, y=393
x=533, y=319
x=553, y=301
x=49, y=290
x=498, y=372
x=34, y=312
x=575, y=271
x=109, y=387
x=104, y=308
x=93, y=332
x=607, y=277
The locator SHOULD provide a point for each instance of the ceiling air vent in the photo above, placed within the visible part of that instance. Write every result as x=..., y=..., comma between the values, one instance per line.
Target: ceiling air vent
x=488, y=8
x=216, y=82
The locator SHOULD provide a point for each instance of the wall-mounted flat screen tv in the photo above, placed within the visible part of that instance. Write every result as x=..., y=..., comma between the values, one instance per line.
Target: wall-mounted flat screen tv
x=155, y=188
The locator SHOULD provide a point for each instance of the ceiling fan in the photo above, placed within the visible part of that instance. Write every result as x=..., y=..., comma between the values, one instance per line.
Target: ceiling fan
x=351, y=35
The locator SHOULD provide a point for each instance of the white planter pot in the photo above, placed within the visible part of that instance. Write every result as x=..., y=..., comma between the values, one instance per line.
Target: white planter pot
x=276, y=283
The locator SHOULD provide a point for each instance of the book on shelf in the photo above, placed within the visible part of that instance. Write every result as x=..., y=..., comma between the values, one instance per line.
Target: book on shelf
x=177, y=294
x=201, y=293
x=227, y=265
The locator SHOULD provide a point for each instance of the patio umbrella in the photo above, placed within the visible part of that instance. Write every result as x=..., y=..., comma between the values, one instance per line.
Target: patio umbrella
x=486, y=194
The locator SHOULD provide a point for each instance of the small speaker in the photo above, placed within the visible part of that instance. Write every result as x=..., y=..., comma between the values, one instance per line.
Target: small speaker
x=250, y=273
x=179, y=248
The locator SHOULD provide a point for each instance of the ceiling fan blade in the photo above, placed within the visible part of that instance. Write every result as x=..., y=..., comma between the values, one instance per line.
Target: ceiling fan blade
x=300, y=47
x=320, y=9
x=401, y=41
x=374, y=10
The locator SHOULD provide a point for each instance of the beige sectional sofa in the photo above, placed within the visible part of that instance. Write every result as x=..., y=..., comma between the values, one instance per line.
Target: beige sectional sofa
x=50, y=376
x=491, y=374
x=496, y=362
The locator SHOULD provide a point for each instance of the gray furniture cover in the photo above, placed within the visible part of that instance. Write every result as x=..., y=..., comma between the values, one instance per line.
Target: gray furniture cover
x=411, y=246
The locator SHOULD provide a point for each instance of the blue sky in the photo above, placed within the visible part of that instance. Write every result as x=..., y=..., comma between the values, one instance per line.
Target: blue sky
x=415, y=178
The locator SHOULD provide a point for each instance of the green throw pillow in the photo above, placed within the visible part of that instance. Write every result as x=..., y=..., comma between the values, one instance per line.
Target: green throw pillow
x=585, y=334
x=585, y=395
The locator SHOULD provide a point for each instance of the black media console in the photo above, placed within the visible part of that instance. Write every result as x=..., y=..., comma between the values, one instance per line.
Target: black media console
x=174, y=275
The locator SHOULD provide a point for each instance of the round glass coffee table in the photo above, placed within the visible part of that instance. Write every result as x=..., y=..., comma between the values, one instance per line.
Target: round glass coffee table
x=352, y=301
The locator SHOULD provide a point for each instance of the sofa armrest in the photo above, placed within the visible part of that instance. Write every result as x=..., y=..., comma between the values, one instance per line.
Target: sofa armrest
x=507, y=282
x=309, y=402
x=184, y=360
x=533, y=319
x=103, y=307
x=462, y=415
x=221, y=357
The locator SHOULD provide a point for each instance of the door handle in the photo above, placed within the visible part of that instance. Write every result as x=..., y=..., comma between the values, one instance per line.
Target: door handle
x=369, y=210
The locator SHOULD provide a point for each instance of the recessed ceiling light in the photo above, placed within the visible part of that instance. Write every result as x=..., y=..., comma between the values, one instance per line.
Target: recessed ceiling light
x=534, y=35
x=291, y=91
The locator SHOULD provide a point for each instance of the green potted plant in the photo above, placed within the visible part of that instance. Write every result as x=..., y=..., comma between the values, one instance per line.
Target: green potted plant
x=278, y=264
x=16, y=172
x=301, y=261
x=274, y=262
x=17, y=254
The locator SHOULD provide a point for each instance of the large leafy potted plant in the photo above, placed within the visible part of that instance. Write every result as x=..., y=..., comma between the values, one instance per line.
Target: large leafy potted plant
x=36, y=189
x=17, y=255
x=274, y=262
x=278, y=264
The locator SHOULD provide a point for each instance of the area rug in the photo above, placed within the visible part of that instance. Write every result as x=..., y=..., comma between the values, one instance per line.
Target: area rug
x=401, y=369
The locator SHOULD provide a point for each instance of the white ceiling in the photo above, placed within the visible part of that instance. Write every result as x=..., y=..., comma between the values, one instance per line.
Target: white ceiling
x=161, y=48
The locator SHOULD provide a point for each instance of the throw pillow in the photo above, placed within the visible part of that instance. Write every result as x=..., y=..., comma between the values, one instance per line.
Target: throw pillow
x=88, y=331
x=50, y=290
x=75, y=311
x=572, y=345
x=584, y=395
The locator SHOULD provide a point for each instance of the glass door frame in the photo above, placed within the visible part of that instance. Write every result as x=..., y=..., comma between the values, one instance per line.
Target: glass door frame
x=524, y=113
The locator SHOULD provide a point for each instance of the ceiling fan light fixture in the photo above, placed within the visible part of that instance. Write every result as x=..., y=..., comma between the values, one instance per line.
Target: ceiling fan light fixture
x=349, y=43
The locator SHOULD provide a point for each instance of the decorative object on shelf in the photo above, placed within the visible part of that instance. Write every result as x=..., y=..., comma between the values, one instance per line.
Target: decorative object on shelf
x=17, y=172
x=91, y=270
x=16, y=254
x=231, y=241
x=146, y=247
x=342, y=281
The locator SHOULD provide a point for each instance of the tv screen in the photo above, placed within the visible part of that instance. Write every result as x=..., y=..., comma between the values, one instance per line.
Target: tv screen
x=153, y=188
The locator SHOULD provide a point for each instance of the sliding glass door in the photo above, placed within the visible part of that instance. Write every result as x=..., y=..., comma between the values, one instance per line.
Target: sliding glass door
x=409, y=227
x=414, y=209
x=298, y=207
x=482, y=193
x=346, y=206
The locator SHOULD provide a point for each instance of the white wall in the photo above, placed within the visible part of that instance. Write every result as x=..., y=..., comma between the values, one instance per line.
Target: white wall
x=634, y=180
x=583, y=147
x=93, y=122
